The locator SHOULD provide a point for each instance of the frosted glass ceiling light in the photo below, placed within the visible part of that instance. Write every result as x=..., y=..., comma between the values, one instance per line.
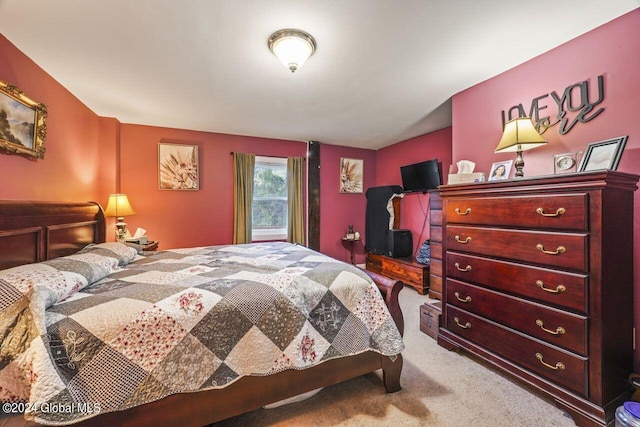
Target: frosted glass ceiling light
x=292, y=47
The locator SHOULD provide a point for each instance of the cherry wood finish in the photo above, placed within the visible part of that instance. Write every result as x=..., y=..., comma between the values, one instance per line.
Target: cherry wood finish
x=435, y=243
x=411, y=273
x=559, y=320
x=37, y=231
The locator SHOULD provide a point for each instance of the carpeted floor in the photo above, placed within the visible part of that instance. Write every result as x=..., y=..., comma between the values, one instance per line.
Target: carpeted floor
x=440, y=388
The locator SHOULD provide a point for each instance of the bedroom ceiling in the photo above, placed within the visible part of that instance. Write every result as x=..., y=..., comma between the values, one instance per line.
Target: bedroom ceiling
x=384, y=71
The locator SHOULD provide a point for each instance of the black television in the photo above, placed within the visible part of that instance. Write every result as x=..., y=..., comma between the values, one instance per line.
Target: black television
x=421, y=177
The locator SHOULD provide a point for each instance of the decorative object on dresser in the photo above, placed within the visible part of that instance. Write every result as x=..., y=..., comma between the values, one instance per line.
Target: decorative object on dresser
x=118, y=206
x=566, y=162
x=539, y=282
x=408, y=271
x=25, y=129
x=603, y=154
x=435, y=242
x=519, y=135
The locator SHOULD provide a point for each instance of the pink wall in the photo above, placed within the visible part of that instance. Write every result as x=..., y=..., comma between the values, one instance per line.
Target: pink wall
x=339, y=210
x=187, y=218
x=612, y=50
x=414, y=208
x=72, y=167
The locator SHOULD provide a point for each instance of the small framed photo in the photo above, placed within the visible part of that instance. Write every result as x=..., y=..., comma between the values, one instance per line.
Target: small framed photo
x=351, y=175
x=500, y=170
x=22, y=123
x=603, y=154
x=178, y=167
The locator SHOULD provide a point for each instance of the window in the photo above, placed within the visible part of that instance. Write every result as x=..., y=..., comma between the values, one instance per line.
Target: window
x=270, y=205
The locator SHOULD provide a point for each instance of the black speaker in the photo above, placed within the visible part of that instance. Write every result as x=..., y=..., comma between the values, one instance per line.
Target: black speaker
x=400, y=244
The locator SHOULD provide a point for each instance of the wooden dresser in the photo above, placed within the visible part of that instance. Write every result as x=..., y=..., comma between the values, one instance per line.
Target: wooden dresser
x=539, y=282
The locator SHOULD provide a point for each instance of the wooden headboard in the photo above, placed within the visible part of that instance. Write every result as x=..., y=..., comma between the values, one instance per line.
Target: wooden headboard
x=37, y=231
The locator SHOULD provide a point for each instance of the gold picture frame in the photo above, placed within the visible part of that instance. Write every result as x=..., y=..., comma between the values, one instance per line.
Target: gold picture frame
x=178, y=167
x=23, y=127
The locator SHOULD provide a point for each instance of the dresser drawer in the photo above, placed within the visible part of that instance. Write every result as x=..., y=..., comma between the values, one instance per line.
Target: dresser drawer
x=558, y=212
x=554, y=326
x=561, y=289
x=557, y=365
x=565, y=250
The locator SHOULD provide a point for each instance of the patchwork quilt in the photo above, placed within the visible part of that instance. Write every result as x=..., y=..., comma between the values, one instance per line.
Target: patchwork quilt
x=108, y=329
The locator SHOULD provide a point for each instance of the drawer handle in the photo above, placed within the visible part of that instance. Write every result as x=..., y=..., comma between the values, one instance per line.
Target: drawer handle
x=467, y=268
x=559, y=365
x=465, y=241
x=466, y=212
x=466, y=299
x=558, y=251
x=559, y=330
x=465, y=326
x=558, y=212
x=557, y=290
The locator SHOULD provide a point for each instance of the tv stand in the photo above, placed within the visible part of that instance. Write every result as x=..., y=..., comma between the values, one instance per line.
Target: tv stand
x=411, y=273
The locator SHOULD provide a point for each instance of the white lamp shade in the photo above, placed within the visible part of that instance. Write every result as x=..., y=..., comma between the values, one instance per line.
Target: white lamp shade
x=519, y=135
x=292, y=47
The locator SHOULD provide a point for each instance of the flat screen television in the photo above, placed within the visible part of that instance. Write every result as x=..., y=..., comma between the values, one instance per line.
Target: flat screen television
x=421, y=177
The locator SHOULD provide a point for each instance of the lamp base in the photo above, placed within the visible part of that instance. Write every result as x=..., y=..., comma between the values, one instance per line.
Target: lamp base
x=121, y=230
x=519, y=164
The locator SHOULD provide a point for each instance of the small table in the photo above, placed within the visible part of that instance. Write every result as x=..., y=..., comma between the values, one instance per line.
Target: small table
x=352, y=241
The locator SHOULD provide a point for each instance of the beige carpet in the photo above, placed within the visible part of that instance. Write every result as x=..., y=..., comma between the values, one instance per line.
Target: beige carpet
x=440, y=388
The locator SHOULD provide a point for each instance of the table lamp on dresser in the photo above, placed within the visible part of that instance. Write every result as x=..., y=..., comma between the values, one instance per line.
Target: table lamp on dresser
x=118, y=206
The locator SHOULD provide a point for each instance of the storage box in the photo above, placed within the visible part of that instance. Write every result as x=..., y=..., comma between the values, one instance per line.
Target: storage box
x=430, y=315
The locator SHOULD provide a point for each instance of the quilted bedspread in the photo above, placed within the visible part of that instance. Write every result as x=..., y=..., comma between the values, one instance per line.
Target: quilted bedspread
x=108, y=329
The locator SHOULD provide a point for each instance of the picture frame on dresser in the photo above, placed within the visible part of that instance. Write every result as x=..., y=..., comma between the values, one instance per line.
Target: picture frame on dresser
x=23, y=127
x=603, y=154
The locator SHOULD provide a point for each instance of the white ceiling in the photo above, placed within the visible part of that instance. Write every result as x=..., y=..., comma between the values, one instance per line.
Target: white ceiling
x=384, y=71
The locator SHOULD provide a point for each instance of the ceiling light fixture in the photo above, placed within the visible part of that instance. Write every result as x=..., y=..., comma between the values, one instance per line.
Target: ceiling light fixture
x=292, y=47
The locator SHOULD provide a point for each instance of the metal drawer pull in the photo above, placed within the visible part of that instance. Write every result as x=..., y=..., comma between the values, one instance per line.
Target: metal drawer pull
x=557, y=290
x=558, y=251
x=465, y=241
x=559, y=330
x=466, y=212
x=467, y=268
x=559, y=365
x=465, y=326
x=465, y=299
x=558, y=212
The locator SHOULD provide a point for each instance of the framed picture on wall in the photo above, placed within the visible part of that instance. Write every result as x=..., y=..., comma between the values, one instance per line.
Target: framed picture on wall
x=603, y=154
x=351, y=175
x=500, y=170
x=22, y=123
x=178, y=167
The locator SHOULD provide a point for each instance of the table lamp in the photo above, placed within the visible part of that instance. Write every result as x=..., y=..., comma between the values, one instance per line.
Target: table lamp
x=118, y=206
x=519, y=135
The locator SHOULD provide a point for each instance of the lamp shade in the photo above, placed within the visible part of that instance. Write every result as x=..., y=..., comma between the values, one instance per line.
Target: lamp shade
x=118, y=206
x=519, y=135
x=292, y=47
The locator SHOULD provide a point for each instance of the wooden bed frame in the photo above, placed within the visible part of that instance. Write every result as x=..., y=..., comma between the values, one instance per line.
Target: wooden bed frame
x=37, y=231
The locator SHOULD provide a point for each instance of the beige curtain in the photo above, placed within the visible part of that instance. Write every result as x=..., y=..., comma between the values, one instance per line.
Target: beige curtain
x=295, y=232
x=243, y=167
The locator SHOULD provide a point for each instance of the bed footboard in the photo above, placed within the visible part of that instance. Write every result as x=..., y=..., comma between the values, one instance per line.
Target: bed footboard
x=390, y=289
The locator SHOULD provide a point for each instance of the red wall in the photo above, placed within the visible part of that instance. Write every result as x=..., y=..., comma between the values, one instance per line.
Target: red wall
x=187, y=218
x=72, y=167
x=414, y=208
x=612, y=50
x=339, y=210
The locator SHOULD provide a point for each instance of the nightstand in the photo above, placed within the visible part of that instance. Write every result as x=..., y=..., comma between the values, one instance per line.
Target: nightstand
x=150, y=246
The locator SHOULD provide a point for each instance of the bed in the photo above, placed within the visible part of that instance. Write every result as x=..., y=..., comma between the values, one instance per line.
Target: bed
x=52, y=332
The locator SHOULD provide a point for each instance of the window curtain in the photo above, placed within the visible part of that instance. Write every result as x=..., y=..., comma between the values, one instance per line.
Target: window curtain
x=295, y=231
x=243, y=167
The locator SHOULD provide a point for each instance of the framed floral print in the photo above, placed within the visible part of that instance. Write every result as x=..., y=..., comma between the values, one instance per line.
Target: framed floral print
x=23, y=126
x=178, y=167
x=351, y=175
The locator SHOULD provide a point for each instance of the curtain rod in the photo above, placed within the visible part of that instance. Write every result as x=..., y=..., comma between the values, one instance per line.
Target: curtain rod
x=279, y=157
